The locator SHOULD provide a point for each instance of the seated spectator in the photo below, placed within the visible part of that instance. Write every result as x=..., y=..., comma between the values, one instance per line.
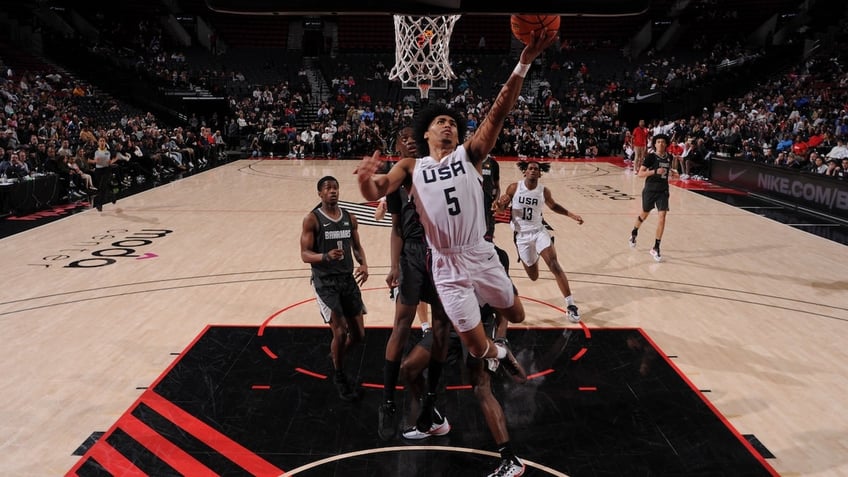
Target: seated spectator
x=832, y=168
x=17, y=167
x=842, y=173
x=839, y=151
x=4, y=163
x=695, y=160
x=817, y=164
x=77, y=168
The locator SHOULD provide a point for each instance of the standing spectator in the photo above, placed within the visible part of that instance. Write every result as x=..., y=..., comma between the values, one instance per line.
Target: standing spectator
x=103, y=161
x=640, y=144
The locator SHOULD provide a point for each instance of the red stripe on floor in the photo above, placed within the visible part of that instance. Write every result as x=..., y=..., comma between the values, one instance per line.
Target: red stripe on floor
x=164, y=449
x=113, y=461
x=201, y=431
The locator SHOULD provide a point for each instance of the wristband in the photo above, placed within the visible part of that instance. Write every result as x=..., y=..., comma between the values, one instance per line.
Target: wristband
x=521, y=70
x=325, y=257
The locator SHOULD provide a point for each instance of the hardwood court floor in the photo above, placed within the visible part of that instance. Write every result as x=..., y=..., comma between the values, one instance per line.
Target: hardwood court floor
x=96, y=305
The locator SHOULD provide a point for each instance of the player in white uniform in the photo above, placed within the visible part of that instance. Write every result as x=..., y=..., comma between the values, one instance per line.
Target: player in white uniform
x=446, y=185
x=532, y=239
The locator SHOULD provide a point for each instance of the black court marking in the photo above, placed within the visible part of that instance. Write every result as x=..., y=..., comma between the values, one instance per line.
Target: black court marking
x=758, y=446
x=623, y=408
x=90, y=441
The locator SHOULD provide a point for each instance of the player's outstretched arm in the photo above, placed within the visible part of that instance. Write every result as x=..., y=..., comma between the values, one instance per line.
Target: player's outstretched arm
x=483, y=141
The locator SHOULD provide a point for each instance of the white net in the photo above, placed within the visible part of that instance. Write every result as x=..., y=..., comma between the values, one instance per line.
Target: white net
x=422, y=50
x=424, y=90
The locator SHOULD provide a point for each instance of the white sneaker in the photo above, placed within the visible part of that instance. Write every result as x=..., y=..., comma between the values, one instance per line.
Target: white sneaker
x=656, y=254
x=436, y=429
x=509, y=468
x=684, y=177
x=573, y=314
x=632, y=241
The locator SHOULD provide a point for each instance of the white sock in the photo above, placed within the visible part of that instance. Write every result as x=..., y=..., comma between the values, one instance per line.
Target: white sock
x=569, y=300
x=501, y=351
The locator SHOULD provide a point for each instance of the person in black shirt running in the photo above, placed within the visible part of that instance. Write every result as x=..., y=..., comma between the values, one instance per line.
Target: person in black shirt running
x=655, y=170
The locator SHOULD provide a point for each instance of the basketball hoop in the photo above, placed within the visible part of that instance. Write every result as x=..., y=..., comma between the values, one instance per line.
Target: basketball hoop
x=422, y=51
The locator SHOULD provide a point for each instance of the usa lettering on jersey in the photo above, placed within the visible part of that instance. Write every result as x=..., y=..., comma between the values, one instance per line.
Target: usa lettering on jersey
x=444, y=172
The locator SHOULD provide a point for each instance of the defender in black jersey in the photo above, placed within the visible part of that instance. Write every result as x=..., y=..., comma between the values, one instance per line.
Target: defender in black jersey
x=410, y=273
x=329, y=242
x=491, y=172
x=655, y=170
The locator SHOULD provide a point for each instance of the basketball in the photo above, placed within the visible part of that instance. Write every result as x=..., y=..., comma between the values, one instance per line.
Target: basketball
x=525, y=26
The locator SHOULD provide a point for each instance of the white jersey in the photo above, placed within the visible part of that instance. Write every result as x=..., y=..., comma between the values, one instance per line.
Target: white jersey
x=527, y=208
x=449, y=198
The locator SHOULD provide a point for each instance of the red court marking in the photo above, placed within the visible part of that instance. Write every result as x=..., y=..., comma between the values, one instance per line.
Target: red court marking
x=164, y=449
x=310, y=373
x=458, y=387
x=113, y=461
x=586, y=332
x=587, y=388
x=232, y=450
x=540, y=374
x=280, y=312
x=260, y=386
x=398, y=387
x=268, y=351
x=579, y=354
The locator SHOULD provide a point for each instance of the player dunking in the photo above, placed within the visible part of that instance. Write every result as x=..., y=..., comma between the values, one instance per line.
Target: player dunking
x=449, y=198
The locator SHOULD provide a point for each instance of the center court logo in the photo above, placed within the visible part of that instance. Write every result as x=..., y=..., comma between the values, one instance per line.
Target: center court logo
x=602, y=192
x=105, y=249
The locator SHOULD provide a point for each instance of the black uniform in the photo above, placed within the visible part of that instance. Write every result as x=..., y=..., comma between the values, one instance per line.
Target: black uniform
x=333, y=281
x=491, y=171
x=415, y=280
x=655, y=192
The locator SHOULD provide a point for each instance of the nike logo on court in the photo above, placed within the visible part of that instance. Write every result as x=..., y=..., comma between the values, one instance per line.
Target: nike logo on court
x=732, y=176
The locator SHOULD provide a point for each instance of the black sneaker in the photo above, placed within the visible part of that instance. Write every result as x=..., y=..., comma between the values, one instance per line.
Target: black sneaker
x=345, y=389
x=387, y=417
x=510, y=364
x=428, y=408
